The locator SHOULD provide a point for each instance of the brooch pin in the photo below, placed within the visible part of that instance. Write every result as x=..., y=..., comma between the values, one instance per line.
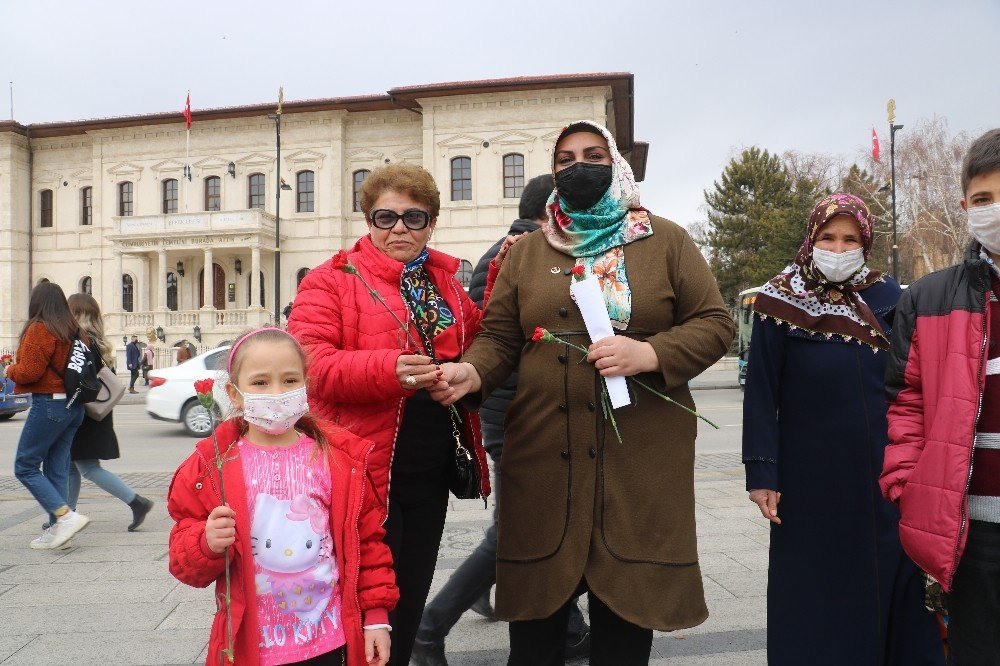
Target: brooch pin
x=555, y=270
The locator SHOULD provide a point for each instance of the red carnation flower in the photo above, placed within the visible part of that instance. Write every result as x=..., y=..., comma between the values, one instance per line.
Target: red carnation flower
x=577, y=270
x=204, y=386
x=539, y=335
x=340, y=262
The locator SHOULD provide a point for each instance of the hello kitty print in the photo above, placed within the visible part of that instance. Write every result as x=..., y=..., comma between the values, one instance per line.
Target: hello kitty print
x=298, y=595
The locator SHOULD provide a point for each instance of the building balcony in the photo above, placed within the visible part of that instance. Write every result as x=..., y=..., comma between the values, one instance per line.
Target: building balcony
x=214, y=326
x=178, y=229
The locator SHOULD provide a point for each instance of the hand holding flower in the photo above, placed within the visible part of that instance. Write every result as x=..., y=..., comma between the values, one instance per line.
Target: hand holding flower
x=220, y=529
x=621, y=356
x=415, y=372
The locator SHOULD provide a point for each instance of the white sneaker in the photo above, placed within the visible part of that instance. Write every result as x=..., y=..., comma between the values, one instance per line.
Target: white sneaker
x=66, y=527
x=46, y=541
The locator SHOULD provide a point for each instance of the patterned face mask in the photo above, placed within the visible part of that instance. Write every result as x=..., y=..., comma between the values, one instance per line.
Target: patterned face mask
x=275, y=414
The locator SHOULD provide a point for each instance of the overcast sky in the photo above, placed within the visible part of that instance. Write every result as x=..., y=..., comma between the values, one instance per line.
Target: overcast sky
x=711, y=76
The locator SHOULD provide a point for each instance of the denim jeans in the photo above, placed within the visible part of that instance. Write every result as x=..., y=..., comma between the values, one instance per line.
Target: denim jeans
x=102, y=478
x=43, y=452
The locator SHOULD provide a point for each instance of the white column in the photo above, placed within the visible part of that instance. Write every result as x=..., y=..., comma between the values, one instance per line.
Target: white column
x=116, y=283
x=209, y=277
x=255, y=276
x=161, y=276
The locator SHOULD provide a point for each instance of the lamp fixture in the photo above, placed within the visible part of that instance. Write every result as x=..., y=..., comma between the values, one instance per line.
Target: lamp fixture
x=285, y=186
x=239, y=267
x=180, y=268
x=159, y=334
x=124, y=339
x=197, y=333
x=232, y=169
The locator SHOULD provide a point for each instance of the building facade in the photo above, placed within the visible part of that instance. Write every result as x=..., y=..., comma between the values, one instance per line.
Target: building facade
x=182, y=239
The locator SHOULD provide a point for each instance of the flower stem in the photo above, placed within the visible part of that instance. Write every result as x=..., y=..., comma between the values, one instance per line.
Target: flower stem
x=668, y=399
x=219, y=462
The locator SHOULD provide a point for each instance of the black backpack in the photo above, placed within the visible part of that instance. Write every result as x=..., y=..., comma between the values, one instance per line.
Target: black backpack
x=80, y=378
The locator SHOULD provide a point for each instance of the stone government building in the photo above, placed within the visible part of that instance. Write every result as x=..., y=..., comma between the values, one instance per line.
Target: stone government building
x=113, y=208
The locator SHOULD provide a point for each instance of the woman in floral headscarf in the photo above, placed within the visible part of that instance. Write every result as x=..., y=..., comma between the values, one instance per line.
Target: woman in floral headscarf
x=840, y=589
x=581, y=510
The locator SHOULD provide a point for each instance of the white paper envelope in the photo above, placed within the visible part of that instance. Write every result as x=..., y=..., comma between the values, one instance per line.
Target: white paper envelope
x=595, y=315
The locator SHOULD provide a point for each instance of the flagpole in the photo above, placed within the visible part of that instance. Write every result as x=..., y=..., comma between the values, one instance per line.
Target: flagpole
x=276, y=117
x=187, y=163
x=893, y=127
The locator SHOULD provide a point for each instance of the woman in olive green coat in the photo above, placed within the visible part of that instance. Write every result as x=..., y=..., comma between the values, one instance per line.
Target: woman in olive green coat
x=580, y=510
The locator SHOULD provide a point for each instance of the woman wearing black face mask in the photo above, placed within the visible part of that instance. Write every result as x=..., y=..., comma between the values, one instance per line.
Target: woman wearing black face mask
x=581, y=510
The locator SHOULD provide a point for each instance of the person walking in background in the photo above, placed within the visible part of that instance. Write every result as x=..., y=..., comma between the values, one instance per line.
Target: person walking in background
x=183, y=351
x=96, y=440
x=148, y=358
x=133, y=357
x=469, y=587
x=942, y=465
x=42, y=460
x=840, y=589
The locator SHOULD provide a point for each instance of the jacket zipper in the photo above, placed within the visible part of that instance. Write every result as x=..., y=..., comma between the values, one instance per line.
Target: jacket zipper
x=355, y=519
x=972, y=450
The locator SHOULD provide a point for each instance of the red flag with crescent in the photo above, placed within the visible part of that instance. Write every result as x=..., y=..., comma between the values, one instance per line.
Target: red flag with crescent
x=187, y=111
x=874, y=145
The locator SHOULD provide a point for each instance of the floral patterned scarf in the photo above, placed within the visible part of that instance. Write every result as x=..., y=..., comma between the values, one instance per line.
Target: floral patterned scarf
x=801, y=296
x=429, y=309
x=596, y=236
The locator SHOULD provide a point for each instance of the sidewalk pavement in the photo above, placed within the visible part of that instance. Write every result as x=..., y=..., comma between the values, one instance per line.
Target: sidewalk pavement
x=109, y=599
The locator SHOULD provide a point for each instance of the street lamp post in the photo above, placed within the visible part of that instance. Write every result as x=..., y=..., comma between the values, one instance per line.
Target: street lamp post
x=893, y=128
x=276, y=117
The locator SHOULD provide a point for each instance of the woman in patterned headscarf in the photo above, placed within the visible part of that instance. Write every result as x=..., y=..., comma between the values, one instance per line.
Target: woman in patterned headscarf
x=581, y=510
x=840, y=588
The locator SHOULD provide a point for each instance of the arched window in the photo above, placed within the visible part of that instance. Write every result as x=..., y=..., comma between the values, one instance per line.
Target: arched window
x=170, y=196
x=87, y=206
x=461, y=179
x=172, y=291
x=125, y=194
x=303, y=272
x=513, y=175
x=128, y=291
x=255, y=184
x=306, y=191
x=86, y=286
x=213, y=193
x=359, y=180
x=464, y=274
x=45, y=208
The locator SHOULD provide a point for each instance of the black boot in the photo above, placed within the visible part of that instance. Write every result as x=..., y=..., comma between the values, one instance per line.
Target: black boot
x=140, y=507
x=428, y=654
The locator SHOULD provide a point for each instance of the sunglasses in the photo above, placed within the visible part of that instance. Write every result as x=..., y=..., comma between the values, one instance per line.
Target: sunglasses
x=414, y=219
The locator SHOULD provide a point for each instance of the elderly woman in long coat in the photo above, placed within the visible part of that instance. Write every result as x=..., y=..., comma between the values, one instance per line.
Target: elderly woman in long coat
x=581, y=510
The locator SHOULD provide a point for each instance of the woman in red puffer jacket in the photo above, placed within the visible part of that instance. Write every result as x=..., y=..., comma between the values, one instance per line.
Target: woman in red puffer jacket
x=372, y=359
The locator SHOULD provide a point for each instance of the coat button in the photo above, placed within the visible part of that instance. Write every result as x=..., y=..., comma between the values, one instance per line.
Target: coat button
x=563, y=312
x=562, y=408
x=564, y=454
x=567, y=271
x=592, y=453
x=562, y=358
x=591, y=406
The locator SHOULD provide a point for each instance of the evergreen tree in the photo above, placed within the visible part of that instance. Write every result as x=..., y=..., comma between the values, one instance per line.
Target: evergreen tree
x=750, y=234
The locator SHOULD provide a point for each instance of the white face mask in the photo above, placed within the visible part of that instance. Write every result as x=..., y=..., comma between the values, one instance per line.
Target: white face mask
x=275, y=414
x=838, y=267
x=984, y=225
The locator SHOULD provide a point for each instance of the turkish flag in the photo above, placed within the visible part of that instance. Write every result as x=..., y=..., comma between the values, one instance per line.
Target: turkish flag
x=187, y=112
x=874, y=143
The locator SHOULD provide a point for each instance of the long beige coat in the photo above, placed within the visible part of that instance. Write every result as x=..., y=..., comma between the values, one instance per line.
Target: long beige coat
x=576, y=503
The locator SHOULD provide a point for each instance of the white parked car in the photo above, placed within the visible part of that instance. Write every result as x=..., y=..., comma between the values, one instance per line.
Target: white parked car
x=171, y=395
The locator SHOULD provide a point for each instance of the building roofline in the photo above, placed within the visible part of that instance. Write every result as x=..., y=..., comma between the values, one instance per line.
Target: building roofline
x=621, y=84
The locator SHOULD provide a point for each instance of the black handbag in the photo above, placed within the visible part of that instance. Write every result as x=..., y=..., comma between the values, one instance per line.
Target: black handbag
x=463, y=471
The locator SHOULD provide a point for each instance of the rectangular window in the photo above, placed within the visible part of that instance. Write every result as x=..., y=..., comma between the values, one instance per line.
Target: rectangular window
x=45, y=208
x=461, y=179
x=306, y=200
x=170, y=196
x=256, y=190
x=213, y=193
x=513, y=175
x=87, y=206
x=125, y=199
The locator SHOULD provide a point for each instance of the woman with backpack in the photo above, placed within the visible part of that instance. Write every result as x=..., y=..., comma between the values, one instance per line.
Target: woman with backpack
x=43, y=452
x=95, y=440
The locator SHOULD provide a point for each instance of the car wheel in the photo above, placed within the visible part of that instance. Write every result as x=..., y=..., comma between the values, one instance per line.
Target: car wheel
x=6, y=417
x=196, y=420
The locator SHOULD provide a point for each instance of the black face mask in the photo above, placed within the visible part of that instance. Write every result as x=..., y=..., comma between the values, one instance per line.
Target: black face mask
x=582, y=185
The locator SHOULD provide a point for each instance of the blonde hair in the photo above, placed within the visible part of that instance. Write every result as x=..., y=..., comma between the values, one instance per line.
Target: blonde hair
x=87, y=313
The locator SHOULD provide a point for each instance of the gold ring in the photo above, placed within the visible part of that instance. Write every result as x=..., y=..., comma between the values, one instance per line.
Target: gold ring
x=410, y=380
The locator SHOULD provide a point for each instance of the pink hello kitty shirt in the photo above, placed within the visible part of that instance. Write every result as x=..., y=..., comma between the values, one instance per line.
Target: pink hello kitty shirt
x=298, y=596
